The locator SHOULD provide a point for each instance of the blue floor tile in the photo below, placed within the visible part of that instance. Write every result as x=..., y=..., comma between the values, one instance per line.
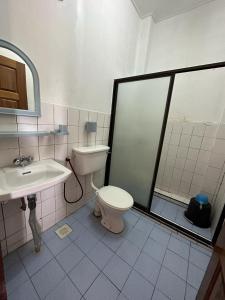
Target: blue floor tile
x=206, y=250
x=15, y=276
x=131, y=217
x=49, y=234
x=159, y=295
x=57, y=245
x=102, y=289
x=86, y=241
x=100, y=255
x=171, y=285
x=155, y=250
x=128, y=252
x=176, y=264
x=144, y=225
x=137, y=237
x=82, y=212
x=191, y=293
x=69, y=257
x=160, y=235
x=195, y=276
x=46, y=279
x=70, y=220
x=77, y=230
x=65, y=290
x=113, y=241
x=179, y=247
x=137, y=287
x=148, y=267
x=122, y=297
x=11, y=259
x=26, y=249
x=84, y=274
x=35, y=261
x=25, y=291
x=117, y=271
x=199, y=259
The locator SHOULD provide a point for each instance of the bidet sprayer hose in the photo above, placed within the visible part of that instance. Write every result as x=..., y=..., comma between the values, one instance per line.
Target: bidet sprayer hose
x=82, y=191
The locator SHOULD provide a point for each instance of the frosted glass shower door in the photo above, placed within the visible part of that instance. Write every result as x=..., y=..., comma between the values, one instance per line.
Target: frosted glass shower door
x=138, y=122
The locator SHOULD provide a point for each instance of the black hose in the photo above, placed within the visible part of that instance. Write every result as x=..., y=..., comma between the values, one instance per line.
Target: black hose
x=82, y=191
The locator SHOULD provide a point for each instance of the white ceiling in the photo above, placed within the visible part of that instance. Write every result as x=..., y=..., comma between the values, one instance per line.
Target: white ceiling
x=163, y=9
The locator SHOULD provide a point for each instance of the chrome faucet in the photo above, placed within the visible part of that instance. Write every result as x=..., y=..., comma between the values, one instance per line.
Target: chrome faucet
x=23, y=161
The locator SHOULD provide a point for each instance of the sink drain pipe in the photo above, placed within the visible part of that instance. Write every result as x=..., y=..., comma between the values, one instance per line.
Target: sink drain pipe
x=33, y=221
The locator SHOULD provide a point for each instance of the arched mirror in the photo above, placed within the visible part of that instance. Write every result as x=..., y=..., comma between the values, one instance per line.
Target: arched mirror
x=19, y=82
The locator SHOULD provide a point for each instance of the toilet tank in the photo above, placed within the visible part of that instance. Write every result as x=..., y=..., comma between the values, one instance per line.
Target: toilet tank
x=90, y=159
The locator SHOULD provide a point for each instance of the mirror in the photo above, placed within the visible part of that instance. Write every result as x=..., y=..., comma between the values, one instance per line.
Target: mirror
x=19, y=82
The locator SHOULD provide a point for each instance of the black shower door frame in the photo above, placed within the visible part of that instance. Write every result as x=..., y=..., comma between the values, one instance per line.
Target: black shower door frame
x=172, y=74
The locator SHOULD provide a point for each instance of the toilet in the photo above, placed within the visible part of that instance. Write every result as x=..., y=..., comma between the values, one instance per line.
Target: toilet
x=111, y=202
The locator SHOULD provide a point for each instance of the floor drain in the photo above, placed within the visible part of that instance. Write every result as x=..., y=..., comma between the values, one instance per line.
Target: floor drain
x=63, y=231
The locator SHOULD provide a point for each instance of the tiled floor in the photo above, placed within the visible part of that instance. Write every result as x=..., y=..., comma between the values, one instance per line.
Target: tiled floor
x=146, y=261
x=175, y=213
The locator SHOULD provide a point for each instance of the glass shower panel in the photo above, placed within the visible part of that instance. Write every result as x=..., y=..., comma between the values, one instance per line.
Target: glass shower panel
x=138, y=123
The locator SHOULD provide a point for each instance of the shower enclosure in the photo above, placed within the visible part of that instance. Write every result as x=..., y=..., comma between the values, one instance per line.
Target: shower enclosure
x=147, y=121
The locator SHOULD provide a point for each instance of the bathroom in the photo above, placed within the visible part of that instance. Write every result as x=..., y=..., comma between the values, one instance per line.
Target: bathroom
x=86, y=56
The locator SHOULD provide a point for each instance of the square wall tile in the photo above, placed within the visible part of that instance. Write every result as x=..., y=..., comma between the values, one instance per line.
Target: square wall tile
x=83, y=118
x=46, y=152
x=196, y=142
x=73, y=116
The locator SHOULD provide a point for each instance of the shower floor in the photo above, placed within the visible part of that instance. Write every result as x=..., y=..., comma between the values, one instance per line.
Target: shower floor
x=164, y=207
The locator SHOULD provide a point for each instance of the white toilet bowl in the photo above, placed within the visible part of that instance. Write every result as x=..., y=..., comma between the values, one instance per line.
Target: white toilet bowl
x=111, y=203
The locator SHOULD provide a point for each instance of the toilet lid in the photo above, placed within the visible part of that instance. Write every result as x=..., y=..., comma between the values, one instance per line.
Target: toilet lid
x=115, y=197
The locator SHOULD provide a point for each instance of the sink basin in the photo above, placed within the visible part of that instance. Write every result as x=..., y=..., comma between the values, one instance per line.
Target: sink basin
x=40, y=175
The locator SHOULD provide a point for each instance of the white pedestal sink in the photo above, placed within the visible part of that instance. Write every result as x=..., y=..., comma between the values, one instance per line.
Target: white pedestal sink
x=18, y=182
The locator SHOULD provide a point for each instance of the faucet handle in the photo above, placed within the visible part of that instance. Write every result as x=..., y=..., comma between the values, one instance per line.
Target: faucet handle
x=17, y=161
x=30, y=158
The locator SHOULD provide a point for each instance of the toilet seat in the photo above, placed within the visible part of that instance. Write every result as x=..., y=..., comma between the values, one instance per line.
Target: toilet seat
x=115, y=197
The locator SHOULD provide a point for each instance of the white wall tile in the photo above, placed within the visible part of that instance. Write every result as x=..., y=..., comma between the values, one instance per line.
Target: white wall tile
x=196, y=142
x=27, y=127
x=9, y=143
x=7, y=156
x=175, y=139
x=100, y=119
x=48, y=221
x=185, y=140
x=48, y=207
x=193, y=154
x=48, y=139
x=28, y=141
x=33, y=151
x=48, y=193
x=73, y=136
x=199, y=129
x=46, y=152
x=73, y=116
x=14, y=223
x=187, y=128
x=107, y=121
x=83, y=118
x=217, y=160
x=207, y=143
x=61, y=152
x=221, y=132
x=26, y=120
